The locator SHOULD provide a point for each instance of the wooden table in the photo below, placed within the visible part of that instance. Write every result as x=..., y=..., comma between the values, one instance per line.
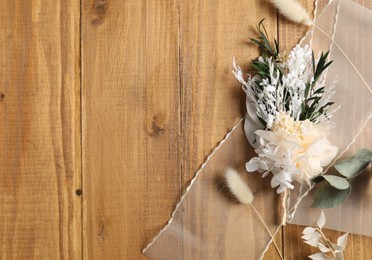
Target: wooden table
x=108, y=107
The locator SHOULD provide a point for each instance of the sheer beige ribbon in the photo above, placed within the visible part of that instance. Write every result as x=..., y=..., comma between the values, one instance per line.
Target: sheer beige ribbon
x=208, y=223
x=350, y=25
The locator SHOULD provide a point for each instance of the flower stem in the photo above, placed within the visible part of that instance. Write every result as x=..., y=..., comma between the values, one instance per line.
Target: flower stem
x=284, y=205
x=268, y=230
x=327, y=241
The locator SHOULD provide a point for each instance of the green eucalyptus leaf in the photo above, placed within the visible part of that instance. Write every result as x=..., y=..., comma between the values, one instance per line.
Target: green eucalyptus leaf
x=337, y=182
x=329, y=197
x=364, y=153
x=355, y=164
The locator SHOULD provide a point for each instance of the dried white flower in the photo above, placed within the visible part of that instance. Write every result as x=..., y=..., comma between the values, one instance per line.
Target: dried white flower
x=293, y=11
x=292, y=151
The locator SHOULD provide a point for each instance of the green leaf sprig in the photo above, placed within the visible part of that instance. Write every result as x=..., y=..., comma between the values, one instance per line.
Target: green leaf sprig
x=309, y=107
x=336, y=189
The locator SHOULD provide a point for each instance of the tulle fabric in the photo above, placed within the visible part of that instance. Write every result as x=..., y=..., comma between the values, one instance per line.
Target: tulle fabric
x=350, y=25
x=209, y=224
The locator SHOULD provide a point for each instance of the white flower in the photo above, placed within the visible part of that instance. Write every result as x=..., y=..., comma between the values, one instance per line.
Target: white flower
x=292, y=151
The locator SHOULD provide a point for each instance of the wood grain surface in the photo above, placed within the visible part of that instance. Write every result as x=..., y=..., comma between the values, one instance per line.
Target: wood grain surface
x=131, y=124
x=40, y=214
x=122, y=100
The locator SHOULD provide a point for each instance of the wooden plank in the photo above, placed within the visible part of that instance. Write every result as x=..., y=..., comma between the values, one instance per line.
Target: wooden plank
x=130, y=124
x=127, y=130
x=211, y=34
x=294, y=248
x=40, y=130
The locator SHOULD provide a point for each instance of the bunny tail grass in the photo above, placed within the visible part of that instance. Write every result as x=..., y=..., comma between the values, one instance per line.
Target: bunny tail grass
x=238, y=187
x=292, y=10
x=244, y=195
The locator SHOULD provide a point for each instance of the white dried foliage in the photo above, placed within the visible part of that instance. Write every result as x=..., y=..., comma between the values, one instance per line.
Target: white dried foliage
x=268, y=96
x=316, y=238
x=293, y=10
x=342, y=240
x=321, y=220
x=238, y=187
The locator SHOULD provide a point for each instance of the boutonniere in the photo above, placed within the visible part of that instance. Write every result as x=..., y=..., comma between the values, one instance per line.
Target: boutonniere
x=291, y=107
